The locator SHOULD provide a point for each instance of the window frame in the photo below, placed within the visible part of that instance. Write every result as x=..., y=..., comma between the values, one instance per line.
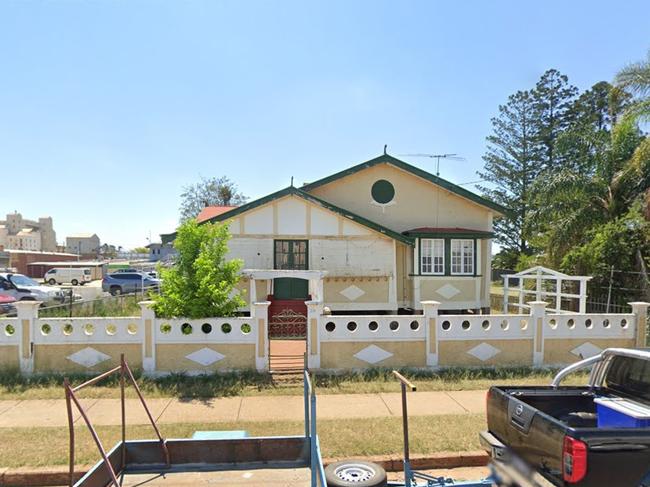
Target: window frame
x=433, y=256
x=291, y=244
x=463, y=271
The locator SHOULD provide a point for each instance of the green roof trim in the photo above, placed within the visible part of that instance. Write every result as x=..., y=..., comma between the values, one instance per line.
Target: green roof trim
x=470, y=234
x=292, y=190
x=388, y=159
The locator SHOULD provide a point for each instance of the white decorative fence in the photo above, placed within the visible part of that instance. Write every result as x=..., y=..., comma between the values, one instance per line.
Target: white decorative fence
x=162, y=346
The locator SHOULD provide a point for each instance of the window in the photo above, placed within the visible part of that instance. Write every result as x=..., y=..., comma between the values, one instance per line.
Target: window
x=291, y=254
x=432, y=256
x=462, y=256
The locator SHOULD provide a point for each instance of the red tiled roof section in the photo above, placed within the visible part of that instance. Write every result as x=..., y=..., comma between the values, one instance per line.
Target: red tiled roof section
x=212, y=211
x=443, y=230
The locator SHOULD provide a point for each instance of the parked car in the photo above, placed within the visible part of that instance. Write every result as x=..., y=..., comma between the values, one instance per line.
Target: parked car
x=23, y=288
x=7, y=307
x=153, y=274
x=592, y=436
x=128, y=282
x=68, y=275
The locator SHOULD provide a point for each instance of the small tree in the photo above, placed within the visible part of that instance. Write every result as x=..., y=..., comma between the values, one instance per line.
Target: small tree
x=202, y=283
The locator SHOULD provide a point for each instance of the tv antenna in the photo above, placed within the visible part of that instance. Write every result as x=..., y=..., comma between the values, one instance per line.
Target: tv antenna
x=437, y=157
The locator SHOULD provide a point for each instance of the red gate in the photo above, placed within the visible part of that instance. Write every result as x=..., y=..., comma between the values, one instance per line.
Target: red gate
x=287, y=319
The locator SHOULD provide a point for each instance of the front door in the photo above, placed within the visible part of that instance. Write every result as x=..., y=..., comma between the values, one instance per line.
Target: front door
x=290, y=255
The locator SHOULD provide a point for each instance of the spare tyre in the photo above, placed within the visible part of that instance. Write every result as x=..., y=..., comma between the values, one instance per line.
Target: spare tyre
x=355, y=473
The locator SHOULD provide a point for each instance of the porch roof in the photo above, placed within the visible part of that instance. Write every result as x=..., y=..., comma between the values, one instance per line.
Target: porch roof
x=448, y=232
x=277, y=273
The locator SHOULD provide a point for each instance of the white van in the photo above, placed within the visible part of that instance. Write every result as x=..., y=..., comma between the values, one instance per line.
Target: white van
x=68, y=275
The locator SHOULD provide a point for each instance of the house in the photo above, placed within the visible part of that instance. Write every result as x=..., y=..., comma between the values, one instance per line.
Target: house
x=83, y=244
x=381, y=236
x=19, y=233
x=161, y=251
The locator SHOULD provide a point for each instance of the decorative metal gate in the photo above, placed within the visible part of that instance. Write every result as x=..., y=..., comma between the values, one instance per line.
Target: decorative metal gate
x=287, y=324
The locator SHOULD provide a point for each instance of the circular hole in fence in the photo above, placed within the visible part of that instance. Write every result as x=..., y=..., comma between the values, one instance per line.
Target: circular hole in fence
x=165, y=328
x=589, y=324
x=186, y=329
x=571, y=323
x=505, y=325
x=623, y=323
x=552, y=323
x=446, y=325
x=373, y=326
x=245, y=328
x=394, y=325
x=330, y=326
x=523, y=324
x=206, y=328
x=465, y=325
x=68, y=329
x=605, y=323
x=46, y=329
x=485, y=324
x=226, y=328
x=9, y=330
x=415, y=325
x=132, y=328
x=111, y=329
x=89, y=329
x=352, y=326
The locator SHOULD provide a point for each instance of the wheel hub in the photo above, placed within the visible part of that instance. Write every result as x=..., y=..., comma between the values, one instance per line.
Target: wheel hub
x=354, y=473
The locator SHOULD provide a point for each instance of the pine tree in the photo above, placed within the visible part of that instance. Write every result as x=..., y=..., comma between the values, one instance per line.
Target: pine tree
x=512, y=162
x=553, y=99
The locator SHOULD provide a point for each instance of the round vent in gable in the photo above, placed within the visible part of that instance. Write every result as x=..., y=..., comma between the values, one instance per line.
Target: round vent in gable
x=382, y=192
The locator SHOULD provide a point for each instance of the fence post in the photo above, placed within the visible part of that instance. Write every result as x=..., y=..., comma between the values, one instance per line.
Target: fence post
x=314, y=316
x=537, y=314
x=640, y=310
x=260, y=315
x=430, y=312
x=149, y=342
x=27, y=313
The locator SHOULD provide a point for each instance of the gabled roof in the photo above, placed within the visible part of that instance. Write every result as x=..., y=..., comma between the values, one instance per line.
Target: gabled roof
x=291, y=190
x=388, y=159
x=212, y=211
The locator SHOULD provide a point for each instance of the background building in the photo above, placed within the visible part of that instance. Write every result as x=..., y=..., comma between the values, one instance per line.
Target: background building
x=84, y=244
x=18, y=233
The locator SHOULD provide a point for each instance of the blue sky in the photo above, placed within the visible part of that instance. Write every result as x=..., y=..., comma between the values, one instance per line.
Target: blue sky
x=108, y=108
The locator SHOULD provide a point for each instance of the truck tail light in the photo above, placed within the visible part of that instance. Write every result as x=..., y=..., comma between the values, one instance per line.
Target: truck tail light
x=574, y=460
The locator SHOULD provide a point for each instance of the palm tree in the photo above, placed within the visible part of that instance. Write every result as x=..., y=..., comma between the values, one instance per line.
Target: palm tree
x=635, y=78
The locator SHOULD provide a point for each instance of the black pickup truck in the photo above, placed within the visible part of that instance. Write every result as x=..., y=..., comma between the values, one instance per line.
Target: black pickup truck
x=592, y=436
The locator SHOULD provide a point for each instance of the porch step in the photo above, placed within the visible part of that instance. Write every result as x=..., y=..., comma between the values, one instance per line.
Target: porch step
x=286, y=364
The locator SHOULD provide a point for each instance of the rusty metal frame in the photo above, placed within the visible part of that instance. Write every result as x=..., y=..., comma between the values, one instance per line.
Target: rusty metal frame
x=71, y=398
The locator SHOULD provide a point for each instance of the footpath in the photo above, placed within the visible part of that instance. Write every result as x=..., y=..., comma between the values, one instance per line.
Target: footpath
x=106, y=412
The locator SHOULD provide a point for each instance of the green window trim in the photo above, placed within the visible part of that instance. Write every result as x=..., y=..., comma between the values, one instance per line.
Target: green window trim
x=292, y=252
x=447, y=259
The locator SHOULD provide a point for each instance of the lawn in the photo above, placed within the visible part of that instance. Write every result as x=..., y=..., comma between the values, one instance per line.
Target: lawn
x=21, y=447
x=15, y=386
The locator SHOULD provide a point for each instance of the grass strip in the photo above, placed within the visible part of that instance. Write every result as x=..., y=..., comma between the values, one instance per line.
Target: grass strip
x=41, y=447
x=14, y=386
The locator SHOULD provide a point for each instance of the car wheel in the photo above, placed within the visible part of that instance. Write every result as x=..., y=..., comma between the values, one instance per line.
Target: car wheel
x=355, y=473
x=116, y=291
x=74, y=282
x=51, y=282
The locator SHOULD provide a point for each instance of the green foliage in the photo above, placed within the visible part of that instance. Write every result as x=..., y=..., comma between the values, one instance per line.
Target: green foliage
x=202, y=283
x=141, y=250
x=635, y=77
x=512, y=162
x=209, y=192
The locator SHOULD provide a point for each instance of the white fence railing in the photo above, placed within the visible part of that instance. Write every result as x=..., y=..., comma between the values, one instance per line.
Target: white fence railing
x=430, y=339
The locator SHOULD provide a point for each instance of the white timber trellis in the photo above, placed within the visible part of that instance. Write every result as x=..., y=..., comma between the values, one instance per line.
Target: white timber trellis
x=541, y=275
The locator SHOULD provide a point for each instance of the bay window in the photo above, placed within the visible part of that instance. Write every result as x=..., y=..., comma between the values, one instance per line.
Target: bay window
x=432, y=256
x=462, y=256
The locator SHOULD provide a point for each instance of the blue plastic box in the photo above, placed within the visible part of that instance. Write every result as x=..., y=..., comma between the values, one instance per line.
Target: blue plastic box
x=621, y=413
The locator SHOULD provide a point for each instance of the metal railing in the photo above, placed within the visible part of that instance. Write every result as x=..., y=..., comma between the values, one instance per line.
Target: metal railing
x=311, y=432
x=71, y=397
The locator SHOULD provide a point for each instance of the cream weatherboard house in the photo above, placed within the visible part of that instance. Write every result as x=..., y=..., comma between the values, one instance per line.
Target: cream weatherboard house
x=381, y=236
